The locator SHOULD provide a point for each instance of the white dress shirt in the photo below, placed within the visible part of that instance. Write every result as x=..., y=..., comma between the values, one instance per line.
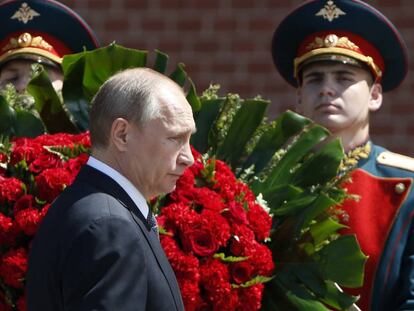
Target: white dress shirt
x=129, y=188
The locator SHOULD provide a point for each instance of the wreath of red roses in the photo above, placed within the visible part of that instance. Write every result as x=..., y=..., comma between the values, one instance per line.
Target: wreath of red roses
x=212, y=229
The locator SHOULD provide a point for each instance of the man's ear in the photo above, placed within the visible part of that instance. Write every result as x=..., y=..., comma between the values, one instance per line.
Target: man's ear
x=375, y=100
x=119, y=132
x=298, y=104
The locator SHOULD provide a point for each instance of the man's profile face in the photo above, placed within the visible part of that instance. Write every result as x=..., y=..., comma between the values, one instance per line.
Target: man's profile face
x=18, y=73
x=159, y=152
x=337, y=96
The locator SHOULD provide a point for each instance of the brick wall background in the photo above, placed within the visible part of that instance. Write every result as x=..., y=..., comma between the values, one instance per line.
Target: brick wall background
x=228, y=41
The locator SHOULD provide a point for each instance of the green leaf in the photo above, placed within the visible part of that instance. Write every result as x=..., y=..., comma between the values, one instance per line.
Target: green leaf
x=321, y=166
x=295, y=205
x=286, y=125
x=282, y=173
x=75, y=101
x=244, y=124
x=299, y=297
x=336, y=298
x=179, y=75
x=309, y=275
x=275, y=196
x=49, y=105
x=85, y=72
x=7, y=118
x=98, y=65
x=161, y=60
x=343, y=262
x=256, y=280
x=222, y=257
x=314, y=209
x=322, y=230
x=27, y=125
x=204, y=119
x=324, y=291
x=192, y=97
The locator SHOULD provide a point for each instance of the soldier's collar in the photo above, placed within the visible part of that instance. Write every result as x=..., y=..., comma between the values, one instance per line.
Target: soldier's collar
x=353, y=156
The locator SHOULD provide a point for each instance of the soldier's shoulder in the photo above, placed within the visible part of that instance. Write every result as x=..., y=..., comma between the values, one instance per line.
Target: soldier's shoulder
x=396, y=160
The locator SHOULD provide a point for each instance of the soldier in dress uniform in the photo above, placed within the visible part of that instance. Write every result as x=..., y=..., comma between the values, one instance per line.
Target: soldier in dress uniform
x=341, y=55
x=39, y=31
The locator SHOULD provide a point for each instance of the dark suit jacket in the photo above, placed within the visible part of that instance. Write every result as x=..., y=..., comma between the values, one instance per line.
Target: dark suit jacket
x=94, y=250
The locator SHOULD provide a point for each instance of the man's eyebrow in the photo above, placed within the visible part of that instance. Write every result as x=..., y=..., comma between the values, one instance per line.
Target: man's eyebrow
x=313, y=73
x=317, y=72
x=10, y=68
x=344, y=71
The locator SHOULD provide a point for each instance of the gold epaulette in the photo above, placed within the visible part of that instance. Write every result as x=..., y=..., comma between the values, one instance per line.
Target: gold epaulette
x=396, y=160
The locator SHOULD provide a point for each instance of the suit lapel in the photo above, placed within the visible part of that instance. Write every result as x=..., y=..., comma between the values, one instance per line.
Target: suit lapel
x=107, y=185
x=162, y=260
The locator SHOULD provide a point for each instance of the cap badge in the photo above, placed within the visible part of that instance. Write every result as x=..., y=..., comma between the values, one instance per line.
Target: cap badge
x=331, y=40
x=25, y=13
x=26, y=40
x=330, y=11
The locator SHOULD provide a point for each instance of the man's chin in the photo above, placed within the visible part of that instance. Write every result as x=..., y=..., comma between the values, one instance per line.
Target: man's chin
x=331, y=122
x=169, y=189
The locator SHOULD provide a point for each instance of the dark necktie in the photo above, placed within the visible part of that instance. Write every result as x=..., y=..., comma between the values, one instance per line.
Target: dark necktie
x=152, y=222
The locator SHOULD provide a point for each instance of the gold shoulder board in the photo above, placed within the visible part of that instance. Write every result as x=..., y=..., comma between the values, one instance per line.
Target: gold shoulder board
x=396, y=160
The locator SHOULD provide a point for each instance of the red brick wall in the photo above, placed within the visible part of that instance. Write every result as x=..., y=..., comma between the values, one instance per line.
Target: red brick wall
x=227, y=42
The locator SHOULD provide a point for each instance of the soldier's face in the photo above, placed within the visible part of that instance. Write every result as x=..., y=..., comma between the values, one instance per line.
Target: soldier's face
x=18, y=73
x=338, y=96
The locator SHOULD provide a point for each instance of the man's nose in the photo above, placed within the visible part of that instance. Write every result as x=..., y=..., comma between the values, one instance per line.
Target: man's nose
x=21, y=83
x=186, y=157
x=327, y=87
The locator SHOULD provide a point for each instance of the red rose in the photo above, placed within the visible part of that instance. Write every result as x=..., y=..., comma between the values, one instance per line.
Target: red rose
x=13, y=267
x=259, y=221
x=82, y=139
x=10, y=189
x=59, y=139
x=74, y=165
x=25, y=201
x=178, y=215
x=236, y=213
x=241, y=272
x=51, y=182
x=3, y=157
x=28, y=220
x=43, y=161
x=217, y=224
x=250, y=298
x=200, y=240
x=45, y=209
x=186, y=266
x=243, y=238
x=208, y=199
x=242, y=191
x=215, y=281
x=24, y=149
x=215, y=214
x=190, y=293
x=6, y=226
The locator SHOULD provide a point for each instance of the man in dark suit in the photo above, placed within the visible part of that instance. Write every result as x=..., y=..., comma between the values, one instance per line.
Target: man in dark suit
x=95, y=249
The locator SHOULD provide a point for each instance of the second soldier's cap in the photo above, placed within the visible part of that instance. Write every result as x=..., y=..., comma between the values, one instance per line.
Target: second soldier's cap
x=348, y=31
x=42, y=28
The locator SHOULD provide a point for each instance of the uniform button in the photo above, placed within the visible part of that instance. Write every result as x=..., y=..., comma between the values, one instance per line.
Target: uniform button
x=399, y=188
